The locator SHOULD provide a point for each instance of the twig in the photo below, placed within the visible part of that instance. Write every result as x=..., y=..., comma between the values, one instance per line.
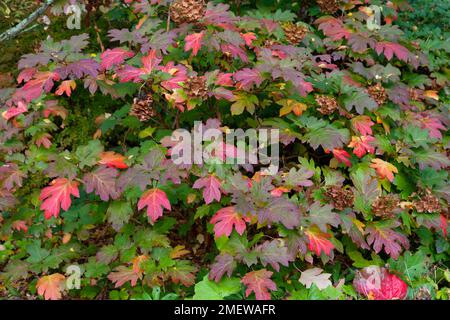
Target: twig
x=168, y=22
x=14, y=31
x=99, y=40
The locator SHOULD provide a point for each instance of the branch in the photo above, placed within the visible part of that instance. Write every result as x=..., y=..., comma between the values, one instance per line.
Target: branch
x=14, y=31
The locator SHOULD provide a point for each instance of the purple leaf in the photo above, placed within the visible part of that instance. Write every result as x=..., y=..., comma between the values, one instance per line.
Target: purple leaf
x=383, y=236
x=274, y=253
x=281, y=210
x=103, y=182
x=10, y=176
x=224, y=263
x=322, y=216
x=79, y=69
x=298, y=177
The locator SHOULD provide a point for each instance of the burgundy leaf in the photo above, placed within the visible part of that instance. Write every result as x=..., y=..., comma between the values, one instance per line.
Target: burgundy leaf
x=224, y=263
x=103, y=182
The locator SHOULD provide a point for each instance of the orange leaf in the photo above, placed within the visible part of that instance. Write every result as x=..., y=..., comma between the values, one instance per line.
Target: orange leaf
x=113, y=160
x=51, y=286
x=289, y=105
x=433, y=94
x=66, y=87
x=384, y=169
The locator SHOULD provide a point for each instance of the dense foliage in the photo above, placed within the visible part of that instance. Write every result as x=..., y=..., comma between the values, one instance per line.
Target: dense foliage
x=86, y=177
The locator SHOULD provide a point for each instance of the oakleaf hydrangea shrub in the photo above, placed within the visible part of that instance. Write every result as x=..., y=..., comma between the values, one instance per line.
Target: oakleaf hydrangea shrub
x=358, y=208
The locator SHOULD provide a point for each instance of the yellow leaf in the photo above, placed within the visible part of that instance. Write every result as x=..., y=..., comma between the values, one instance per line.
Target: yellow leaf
x=431, y=94
x=359, y=225
x=178, y=251
x=290, y=105
x=191, y=197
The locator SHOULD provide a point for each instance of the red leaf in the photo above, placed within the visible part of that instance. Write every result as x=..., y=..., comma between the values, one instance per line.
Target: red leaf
x=26, y=74
x=19, y=225
x=362, y=145
x=443, y=225
x=66, y=87
x=211, y=187
x=390, y=48
x=278, y=191
x=57, y=196
x=15, y=111
x=248, y=38
x=247, y=78
x=379, y=284
x=363, y=124
x=342, y=156
x=384, y=169
x=113, y=160
x=114, y=56
x=433, y=125
x=150, y=61
x=333, y=28
x=154, y=199
x=51, y=286
x=178, y=73
x=225, y=219
x=260, y=283
x=194, y=42
x=318, y=241
x=33, y=89
x=43, y=139
x=234, y=51
x=130, y=73
x=224, y=79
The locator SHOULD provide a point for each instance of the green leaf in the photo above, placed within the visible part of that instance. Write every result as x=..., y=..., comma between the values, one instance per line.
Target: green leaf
x=210, y=290
x=360, y=262
x=357, y=98
x=119, y=212
x=95, y=269
x=37, y=254
x=244, y=102
x=328, y=137
x=411, y=266
x=202, y=211
x=431, y=158
x=89, y=154
x=416, y=137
